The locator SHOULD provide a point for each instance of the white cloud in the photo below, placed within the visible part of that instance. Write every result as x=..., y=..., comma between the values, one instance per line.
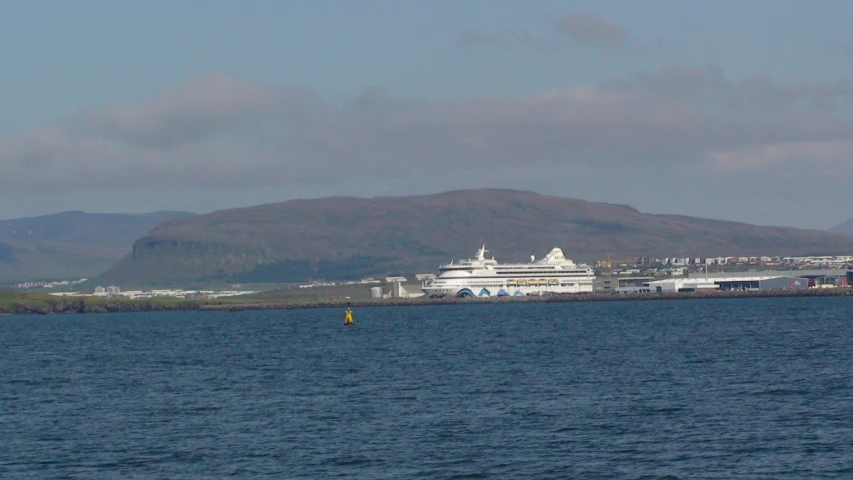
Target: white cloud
x=818, y=155
x=201, y=107
x=593, y=30
x=221, y=133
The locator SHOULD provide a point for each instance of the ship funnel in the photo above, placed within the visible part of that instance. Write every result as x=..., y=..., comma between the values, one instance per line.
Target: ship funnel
x=532, y=258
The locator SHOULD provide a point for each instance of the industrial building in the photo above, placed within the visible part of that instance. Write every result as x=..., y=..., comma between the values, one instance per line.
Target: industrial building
x=753, y=280
x=816, y=275
x=727, y=283
x=619, y=282
x=397, y=290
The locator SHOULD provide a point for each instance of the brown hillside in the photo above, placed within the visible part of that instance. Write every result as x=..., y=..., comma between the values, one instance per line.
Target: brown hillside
x=343, y=237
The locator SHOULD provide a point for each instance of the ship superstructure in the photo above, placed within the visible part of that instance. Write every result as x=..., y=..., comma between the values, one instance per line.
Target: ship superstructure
x=485, y=277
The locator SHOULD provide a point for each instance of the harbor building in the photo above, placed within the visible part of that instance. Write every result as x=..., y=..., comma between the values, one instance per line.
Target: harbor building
x=397, y=290
x=820, y=277
x=726, y=284
x=611, y=283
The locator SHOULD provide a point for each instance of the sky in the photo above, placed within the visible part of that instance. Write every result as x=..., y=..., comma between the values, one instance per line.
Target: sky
x=727, y=109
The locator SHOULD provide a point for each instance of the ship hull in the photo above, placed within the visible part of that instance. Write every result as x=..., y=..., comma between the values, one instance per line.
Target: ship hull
x=496, y=289
x=483, y=277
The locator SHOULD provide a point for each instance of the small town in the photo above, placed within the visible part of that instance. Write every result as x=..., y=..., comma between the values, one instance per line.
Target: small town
x=113, y=291
x=630, y=275
x=684, y=266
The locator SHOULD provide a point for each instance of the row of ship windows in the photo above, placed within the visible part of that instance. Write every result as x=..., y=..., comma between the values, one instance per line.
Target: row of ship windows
x=501, y=271
x=538, y=269
x=533, y=281
x=501, y=282
x=542, y=272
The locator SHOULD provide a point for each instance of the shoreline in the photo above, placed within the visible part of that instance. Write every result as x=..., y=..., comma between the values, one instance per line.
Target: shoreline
x=593, y=297
x=64, y=307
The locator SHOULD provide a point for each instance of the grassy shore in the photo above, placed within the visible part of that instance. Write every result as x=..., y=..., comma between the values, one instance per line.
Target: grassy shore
x=16, y=303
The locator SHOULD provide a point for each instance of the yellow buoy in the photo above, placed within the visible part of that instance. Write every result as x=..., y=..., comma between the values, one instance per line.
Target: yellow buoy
x=348, y=317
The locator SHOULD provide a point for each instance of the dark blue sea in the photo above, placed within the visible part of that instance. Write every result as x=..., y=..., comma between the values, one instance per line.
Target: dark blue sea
x=738, y=388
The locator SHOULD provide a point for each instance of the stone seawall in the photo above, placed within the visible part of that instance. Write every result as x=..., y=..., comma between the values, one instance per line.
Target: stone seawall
x=591, y=297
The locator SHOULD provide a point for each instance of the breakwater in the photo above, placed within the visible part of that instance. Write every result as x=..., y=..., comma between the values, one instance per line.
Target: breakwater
x=68, y=307
x=584, y=297
x=45, y=305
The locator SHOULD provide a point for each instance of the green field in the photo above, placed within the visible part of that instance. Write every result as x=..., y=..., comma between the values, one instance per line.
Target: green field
x=15, y=302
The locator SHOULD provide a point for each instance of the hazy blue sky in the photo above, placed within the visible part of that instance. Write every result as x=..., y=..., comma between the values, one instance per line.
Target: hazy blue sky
x=726, y=109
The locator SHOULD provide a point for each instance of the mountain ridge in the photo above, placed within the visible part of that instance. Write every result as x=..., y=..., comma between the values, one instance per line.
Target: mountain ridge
x=71, y=243
x=352, y=236
x=844, y=227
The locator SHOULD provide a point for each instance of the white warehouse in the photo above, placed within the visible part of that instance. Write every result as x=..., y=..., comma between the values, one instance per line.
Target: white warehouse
x=727, y=283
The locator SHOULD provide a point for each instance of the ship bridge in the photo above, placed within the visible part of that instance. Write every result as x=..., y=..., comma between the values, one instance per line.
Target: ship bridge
x=556, y=256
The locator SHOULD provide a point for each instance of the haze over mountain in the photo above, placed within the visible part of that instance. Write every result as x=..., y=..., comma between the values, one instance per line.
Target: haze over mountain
x=846, y=227
x=347, y=237
x=70, y=244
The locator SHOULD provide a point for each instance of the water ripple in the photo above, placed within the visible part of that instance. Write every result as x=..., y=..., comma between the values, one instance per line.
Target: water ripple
x=744, y=388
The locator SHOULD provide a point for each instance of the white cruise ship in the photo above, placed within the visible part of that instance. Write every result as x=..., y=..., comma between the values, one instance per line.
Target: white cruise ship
x=485, y=277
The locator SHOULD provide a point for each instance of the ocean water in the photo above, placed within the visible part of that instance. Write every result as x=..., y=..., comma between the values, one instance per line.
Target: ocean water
x=738, y=388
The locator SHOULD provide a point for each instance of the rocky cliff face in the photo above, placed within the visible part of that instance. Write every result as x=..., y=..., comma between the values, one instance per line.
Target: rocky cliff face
x=155, y=261
x=153, y=258
x=337, y=238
